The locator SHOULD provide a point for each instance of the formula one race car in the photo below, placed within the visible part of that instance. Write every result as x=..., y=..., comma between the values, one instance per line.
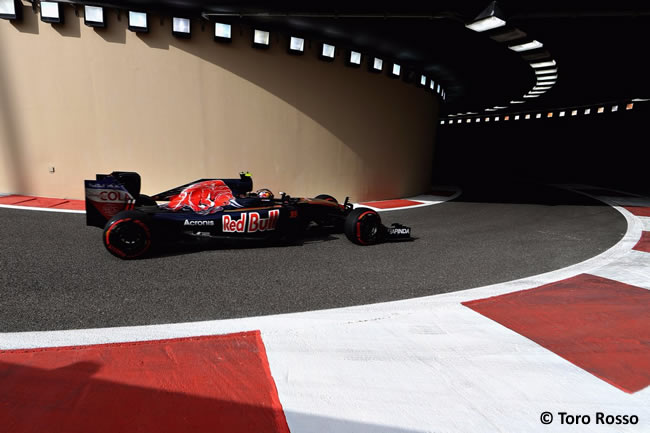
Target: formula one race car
x=218, y=208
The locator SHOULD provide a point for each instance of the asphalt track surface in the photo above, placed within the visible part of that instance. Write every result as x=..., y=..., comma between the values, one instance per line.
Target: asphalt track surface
x=56, y=274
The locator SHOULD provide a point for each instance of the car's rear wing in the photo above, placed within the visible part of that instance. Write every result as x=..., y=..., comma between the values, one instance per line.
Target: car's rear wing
x=109, y=194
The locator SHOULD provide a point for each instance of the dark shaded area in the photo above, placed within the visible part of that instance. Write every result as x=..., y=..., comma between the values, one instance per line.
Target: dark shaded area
x=56, y=274
x=607, y=150
x=72, y=24
x=29, y=22
x=595, y=43
x=69, y=399
x=74, y=390
x=115, y=31
x=10, y=131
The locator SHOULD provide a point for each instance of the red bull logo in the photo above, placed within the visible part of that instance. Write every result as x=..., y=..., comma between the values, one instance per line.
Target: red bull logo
x=204, y=197
x=250, y=223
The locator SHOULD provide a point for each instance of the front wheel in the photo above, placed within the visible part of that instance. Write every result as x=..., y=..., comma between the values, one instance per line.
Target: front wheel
x=128, y=235
x=363, y=226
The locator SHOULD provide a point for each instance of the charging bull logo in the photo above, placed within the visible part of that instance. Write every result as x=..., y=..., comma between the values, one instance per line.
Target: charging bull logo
x=250, y=223
x=203, y=198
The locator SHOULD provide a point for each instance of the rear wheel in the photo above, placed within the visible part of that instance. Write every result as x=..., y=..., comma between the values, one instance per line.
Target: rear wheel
x=128, y=235
x=363, y=226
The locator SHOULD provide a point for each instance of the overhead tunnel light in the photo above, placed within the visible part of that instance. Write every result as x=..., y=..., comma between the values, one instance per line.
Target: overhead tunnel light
x=562, y=113
x=261, y=39
x=395, y=70
x=545, y=71
x=533, y=45
x=432, y=85
x=181, y=27
x=600, y=110
x=94, y=16
x=327, y=52
x=11, y=9
x=353, y=59
x=377, y=64
x=517, y=102
x=544, y=64
x=138, y=22
x=538, y=116
x=423, y=80
x=490, y=18
x=629, y=106
x=574, y=112
x=296, y=45
x=614, y=108
x=546, y=77
x=52, y=12
x=438, y=89
x=222, y=32
x=588, y=111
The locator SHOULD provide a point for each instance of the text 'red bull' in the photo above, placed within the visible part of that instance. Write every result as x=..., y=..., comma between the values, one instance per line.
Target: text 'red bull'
x=250, y=223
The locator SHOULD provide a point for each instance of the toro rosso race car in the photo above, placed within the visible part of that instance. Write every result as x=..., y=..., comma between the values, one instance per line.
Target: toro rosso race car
x=218, y=208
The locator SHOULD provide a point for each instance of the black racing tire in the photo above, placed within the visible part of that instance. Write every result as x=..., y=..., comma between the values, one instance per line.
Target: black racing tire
x=326, y=197
x=363, y=226
x=128, y=235
x=145, y=200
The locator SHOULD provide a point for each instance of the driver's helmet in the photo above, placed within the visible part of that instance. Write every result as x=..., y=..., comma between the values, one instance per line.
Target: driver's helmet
x=264, y=194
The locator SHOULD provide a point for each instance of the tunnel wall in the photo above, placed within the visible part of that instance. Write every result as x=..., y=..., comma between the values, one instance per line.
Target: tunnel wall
x=88, y=101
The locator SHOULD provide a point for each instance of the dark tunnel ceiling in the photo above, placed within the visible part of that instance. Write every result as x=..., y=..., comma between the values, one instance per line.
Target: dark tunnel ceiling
x=600, y=49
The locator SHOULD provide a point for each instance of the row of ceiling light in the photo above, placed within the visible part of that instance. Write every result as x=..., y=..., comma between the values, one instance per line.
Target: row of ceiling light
x=546, y=70
x=52, y=12
x=567, y=112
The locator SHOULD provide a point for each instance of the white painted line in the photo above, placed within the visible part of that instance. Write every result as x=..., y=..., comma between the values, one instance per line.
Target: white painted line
x=633, y=268
x=41, y=209
x=646, y=223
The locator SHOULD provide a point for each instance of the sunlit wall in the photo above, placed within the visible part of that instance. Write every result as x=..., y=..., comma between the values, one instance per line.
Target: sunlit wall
x=85, y=101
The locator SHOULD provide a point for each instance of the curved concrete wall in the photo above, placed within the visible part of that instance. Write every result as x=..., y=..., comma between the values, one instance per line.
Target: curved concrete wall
x=89, y=101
